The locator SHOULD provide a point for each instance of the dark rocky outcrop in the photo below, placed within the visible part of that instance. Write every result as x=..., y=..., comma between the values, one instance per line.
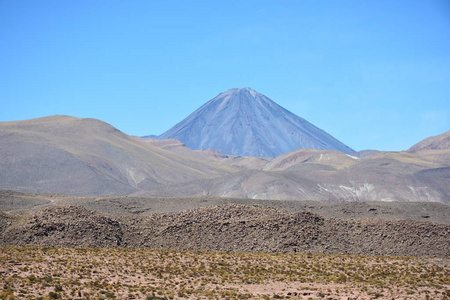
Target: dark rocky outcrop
x=64, y=226
x=227, y=228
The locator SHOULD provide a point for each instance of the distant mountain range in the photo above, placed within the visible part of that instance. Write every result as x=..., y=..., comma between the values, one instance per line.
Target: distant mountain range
x=244, y=122
x=72, y=156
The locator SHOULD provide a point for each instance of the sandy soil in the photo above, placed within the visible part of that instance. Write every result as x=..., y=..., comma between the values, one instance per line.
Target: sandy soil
x=86, y=273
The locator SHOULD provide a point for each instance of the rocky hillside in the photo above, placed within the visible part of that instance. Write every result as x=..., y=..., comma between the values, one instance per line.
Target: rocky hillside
x=227, y=228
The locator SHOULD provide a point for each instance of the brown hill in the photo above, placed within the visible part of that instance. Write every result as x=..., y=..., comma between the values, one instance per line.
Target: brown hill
x=306, y=174
x=209, y=155
x=438, y=142
x=308, y=159
x=330, y=176
x=67, y=155
x=227, y=228
x=84, y=157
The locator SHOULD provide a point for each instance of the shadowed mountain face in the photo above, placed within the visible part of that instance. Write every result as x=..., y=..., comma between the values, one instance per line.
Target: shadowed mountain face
x=245, y=122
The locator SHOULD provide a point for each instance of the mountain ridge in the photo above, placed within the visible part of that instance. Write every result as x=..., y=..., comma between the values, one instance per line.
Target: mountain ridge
x=88, y=157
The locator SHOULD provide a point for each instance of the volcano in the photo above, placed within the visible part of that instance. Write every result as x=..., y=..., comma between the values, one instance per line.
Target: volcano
x=244, y=122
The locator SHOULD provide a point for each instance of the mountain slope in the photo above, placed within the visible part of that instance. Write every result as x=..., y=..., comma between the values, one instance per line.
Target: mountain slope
x=438, y=142
x=72, y=156
x=299, y=159
x=330, y=176
x=245, y=122
x=85, y=157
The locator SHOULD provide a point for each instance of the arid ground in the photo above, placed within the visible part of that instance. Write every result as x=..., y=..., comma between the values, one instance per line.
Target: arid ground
x=116, y=248
x=107, y=273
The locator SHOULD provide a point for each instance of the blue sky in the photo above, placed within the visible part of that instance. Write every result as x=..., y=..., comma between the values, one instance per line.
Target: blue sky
x=374, y=74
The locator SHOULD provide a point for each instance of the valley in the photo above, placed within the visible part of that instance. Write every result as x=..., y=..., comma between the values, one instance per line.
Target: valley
x=89, y=212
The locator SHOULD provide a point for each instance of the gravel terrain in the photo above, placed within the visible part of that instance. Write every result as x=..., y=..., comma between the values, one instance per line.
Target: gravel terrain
x=20, y=203
x=238, y=228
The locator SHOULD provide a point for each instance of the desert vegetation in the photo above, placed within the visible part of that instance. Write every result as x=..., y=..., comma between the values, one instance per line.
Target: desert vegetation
x=118, y=273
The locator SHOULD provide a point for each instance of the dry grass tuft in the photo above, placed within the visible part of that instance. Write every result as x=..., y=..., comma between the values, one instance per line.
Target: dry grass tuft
x=88, y=273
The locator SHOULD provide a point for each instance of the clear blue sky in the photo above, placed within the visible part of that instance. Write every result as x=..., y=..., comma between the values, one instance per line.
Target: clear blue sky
x=374, y=74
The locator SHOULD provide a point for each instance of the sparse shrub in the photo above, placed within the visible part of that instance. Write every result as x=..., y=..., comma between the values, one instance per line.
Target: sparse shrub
x=203, y=274
x=47, y=278
x=58, y=288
